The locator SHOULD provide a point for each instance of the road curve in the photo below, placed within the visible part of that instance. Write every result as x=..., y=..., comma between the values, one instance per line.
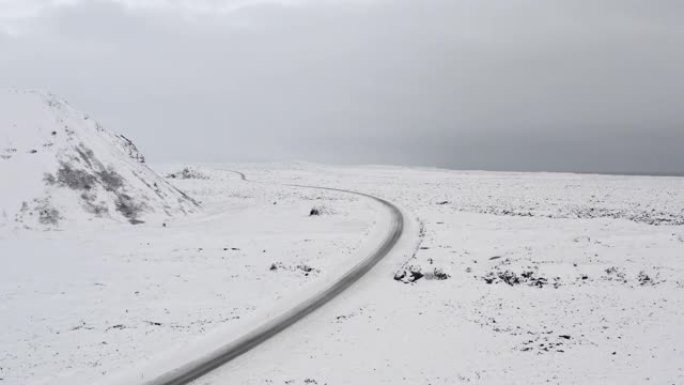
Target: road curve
x=201, y=366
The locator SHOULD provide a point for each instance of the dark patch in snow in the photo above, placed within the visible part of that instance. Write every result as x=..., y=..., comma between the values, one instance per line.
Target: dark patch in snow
x=544, y=343
x=187, y=173
x=512, y=278
x=644, y=279
x=116, y=327
x=129, y=208
x=75, y=179
x=304, y=268
x=48, y=215
x=320, y=210
x=131, y=149
x=110, y=179
x=652, y=217
x=439, y=274
x=89, y=200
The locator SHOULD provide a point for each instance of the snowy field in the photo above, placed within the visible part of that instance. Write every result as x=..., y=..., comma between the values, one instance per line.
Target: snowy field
x=552, y=278
x=519, y=278
x=82, y=304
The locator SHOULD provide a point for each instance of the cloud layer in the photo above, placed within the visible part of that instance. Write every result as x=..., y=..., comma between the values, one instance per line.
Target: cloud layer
x=558, y=85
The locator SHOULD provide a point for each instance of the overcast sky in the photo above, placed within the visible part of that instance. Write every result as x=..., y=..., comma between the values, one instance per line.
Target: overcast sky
x=583, y=85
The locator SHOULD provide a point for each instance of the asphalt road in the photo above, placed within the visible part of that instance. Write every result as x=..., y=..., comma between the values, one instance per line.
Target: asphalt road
x=233, y=349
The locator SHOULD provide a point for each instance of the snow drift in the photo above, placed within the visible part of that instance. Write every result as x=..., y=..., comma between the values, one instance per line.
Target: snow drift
x=58, y=166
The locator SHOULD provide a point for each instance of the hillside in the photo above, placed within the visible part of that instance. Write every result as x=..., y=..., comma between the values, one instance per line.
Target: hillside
x=60, y=167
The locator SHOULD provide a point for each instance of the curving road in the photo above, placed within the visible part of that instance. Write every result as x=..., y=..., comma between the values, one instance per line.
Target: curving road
x=201, y=366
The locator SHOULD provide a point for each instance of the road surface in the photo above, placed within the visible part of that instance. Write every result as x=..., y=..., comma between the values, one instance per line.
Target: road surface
x=203, y=365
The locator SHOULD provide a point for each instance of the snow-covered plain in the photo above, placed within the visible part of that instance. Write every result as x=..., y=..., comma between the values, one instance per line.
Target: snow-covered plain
x=519, y=277
x=552, y=278
x=80, y=306
x=108, y=269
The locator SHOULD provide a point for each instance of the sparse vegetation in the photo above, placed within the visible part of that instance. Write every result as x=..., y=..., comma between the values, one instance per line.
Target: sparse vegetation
x=187, y=173
x=129, y=208
x=75, y=179
x=48, y=215
x=320, y=210
x=110, y=180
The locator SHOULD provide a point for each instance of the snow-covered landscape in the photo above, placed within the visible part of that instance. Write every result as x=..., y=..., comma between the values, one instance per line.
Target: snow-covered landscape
x=524, y=278
x=115, y=272
x=62, y=166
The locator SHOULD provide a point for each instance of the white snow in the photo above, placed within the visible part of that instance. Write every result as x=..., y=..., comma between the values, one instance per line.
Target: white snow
x=527, y=278
x=596, y=237
x=60, y=167
x=88, y=304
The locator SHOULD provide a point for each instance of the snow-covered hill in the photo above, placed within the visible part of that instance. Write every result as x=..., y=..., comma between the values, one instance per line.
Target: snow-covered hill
x=58, y=166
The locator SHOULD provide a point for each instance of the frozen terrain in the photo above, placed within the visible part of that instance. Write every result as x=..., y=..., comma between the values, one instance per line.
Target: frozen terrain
x=501, y=278
x=83, y=306
x=85, y=296
x=60, y=167
x=520, y=278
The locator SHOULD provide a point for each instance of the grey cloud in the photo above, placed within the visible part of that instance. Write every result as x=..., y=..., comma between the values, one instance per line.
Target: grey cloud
x=558, y=85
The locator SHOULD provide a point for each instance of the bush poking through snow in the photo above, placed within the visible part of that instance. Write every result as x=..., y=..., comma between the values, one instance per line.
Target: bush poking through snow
x=320, y=210
x=48, y=215
x=129, y=208
x=75, y=179
x=511, y=278
x=303, y=268
x=644, y=279
x=439, y=274
x=651, y=217
x=613, y=273
x=187, y=173
x=415, y=273
x=110, y=179
x=411, y=273
x=399, y=275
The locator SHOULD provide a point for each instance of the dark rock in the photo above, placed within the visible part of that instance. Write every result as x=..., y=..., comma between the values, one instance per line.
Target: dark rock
x=305, y=268
x=489, y=278
x=400, y=275
x=416, y=273
x=439, y=274
x=509, y=277
x=644, y=279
